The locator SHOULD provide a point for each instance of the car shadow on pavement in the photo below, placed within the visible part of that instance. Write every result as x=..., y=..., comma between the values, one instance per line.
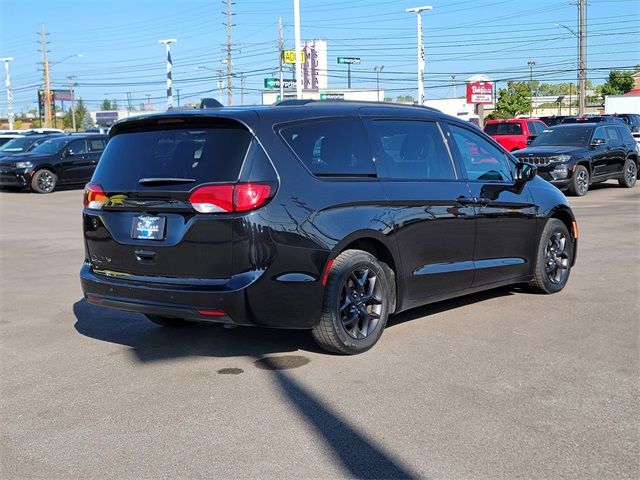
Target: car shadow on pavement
x=150, y=342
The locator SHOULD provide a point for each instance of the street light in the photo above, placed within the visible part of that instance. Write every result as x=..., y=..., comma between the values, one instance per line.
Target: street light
x=72, y=84
x=7, y=83
x=582, y=77
x=421, y=60
x=167, y=43
x=378, y=69
x=531, y=64
x=220, y=83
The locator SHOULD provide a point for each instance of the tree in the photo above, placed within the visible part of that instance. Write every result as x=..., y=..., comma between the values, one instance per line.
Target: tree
x=513, y=100
x=87, y=121
x=80, y=109
x=617, y=83
x=405, y=99
x=108, y=105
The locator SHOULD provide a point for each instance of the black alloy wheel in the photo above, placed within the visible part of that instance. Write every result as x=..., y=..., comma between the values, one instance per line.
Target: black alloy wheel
x=355, y=305
x=580, y=182
x=44, y=181
x=629, y=174
x=361, y=303
x=555, y=256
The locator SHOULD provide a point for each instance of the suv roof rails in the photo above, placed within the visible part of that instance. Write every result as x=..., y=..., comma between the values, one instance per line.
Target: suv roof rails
x=294, y=101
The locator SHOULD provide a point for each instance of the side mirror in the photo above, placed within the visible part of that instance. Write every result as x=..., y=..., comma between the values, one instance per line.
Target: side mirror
x=530, y=139
x=68, y=152
x=596, y=142
x=525, y=172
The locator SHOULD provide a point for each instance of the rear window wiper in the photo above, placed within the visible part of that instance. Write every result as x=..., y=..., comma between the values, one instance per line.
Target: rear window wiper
x=165, y=181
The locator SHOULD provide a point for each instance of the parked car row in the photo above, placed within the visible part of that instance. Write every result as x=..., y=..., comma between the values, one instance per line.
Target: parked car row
x=43, y=162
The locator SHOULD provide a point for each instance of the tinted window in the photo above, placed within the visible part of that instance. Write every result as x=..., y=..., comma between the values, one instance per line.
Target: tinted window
x=411, y=150
x=481, y=159
x=77, y=147
x=51, y=146
x=503, y=129
x=96, y=144
x=601, y=133
x=625, y=133
x=16, y=145
x=336, y=147
x=564, y=136
x=613, y=135
x=205, y=155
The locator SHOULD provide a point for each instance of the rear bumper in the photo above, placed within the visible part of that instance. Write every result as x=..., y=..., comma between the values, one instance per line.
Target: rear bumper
x=245, y=299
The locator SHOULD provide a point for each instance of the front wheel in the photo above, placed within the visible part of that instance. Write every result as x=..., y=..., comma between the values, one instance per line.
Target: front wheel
x=580, y=181
x=555, y=255
x=356, y=304
x=629, y=174
x=44, y=181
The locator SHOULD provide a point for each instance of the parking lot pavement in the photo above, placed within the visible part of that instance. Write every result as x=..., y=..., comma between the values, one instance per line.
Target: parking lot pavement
x=498, y=385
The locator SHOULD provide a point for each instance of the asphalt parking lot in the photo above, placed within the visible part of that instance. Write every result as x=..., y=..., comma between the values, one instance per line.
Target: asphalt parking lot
x=502, y=384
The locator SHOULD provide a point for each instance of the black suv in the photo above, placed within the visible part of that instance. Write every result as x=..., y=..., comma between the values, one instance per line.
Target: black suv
x=576, y=155
x=25, y=144
x=327, y=216
x=59, y=160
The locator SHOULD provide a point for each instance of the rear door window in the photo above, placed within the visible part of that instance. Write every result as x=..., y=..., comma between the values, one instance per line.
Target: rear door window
x=77, y=147
x=614, y=137
x=203, y=155
x=411, y=150
x=331, y=148
x=96, y=144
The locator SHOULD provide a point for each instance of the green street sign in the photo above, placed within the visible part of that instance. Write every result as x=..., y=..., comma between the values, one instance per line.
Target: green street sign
x=332, y=96
x=349, y=60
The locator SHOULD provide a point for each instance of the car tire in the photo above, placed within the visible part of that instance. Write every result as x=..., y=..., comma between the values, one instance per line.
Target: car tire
x=44, y=181
x=580, y=182
x=629, y=174
x=170, y=322
x=356, y=304
x=554, y=258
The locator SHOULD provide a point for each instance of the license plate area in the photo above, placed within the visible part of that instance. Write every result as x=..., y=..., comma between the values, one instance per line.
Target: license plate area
x=148, y=227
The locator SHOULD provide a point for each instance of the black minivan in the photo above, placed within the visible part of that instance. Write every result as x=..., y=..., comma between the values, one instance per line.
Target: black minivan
x=326, y=216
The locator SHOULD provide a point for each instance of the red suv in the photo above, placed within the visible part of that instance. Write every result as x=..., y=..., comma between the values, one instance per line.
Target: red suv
x=512, y=134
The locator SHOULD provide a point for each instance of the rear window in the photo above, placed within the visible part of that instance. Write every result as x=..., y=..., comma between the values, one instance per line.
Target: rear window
x=203, y=154
x=331, y=148
x=503, y=129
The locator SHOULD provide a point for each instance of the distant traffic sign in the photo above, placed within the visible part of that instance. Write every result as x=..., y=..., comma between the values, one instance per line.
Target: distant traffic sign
x=272, y=83
x=349, y=60
x=289, y=56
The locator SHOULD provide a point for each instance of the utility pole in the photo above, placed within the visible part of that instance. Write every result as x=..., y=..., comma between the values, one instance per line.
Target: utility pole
x=229, y=24
x=296, y=28
x=242, y=77
x=129, y=101
x=47, y=81
x=531, y=64
x=7, y=84
x=421, y=59
x=280, y=50
x=582, y=66
x=453, y=78
x=178, y=95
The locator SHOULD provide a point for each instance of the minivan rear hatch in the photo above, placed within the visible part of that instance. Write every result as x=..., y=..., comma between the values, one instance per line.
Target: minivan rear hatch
x=142, y=215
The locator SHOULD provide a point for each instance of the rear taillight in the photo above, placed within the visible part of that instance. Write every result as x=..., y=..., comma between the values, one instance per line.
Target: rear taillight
x=94, y=196
x=241, y=197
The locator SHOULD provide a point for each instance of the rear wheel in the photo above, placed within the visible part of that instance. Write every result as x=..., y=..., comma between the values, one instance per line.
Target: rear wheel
x=555, y=254
x=356, y=304
x=44, y=181
x=629, y=174
x=170, y=322
x=580, y=181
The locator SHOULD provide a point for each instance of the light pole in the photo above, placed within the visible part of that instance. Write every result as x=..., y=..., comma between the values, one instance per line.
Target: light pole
x=296, y=28
x=453, y=86
x=421, y=60
x=7, y=83
x=378, y=69
x=219, y=83
x=72, y=86
x=581, y=63
x=47, y=85
x=531, y=64
x=167, y=43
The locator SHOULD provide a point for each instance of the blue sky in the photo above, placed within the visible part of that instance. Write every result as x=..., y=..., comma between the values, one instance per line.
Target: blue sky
x=119, y=43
